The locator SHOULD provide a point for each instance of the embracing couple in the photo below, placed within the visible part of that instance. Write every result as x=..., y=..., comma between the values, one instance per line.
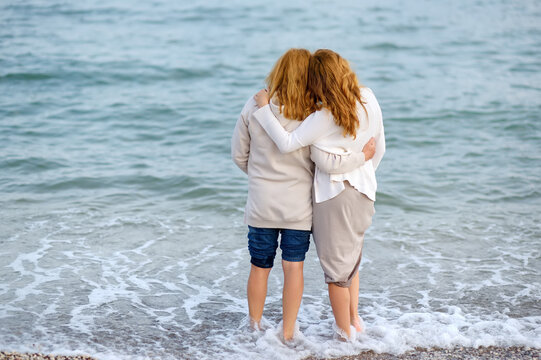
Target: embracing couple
x=310, y=144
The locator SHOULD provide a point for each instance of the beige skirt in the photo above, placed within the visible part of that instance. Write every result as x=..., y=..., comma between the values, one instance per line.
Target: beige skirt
x=338, y=230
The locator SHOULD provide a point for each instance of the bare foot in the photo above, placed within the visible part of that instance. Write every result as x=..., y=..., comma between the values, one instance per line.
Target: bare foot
x=292, y=334
x=255, y=325
x=288, y=337
x=357, y=323
x=343, y=335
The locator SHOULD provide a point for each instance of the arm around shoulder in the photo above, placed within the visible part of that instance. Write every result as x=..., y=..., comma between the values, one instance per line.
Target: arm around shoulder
x=311, y=129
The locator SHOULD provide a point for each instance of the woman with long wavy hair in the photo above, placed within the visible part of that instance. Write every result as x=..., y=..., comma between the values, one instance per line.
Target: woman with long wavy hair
x=346, y=116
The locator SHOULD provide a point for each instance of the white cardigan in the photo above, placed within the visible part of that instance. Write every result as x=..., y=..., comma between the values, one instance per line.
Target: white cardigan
x=320, y=131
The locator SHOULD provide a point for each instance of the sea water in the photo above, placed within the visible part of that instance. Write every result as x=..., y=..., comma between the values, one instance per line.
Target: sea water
x=121, y=212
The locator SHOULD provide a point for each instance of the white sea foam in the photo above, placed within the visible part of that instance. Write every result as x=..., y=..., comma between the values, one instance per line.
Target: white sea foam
x=408, y=331
x=198, y=294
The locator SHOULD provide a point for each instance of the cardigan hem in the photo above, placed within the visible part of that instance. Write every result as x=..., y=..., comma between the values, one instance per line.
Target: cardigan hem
x=270, y=224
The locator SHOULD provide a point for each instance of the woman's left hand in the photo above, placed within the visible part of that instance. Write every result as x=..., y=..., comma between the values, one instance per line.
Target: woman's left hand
x=262, y=98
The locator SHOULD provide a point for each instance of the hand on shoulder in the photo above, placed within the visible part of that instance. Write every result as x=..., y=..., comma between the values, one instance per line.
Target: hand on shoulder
x=262, y=97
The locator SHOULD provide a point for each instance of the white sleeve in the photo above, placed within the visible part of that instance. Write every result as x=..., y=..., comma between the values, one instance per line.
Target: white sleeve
x=311, y=129
x=332, y=163
x=380, y=133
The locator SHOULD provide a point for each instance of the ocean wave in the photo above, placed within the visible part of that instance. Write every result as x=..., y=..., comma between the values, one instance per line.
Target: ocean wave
x=25, y=76
x=31, y=165
x=181, y=184
x=390, y=46
x=103, y=73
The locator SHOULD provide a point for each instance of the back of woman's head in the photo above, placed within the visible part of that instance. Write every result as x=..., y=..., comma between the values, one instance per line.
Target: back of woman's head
x=333, y=85
x=287, y=82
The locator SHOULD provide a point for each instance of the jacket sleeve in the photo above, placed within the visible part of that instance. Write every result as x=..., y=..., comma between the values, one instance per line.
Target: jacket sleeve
x=334, y=163
x=240, y=143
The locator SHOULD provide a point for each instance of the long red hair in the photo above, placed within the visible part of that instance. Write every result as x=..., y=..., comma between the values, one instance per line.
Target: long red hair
x=288, y=80
x=333, y=85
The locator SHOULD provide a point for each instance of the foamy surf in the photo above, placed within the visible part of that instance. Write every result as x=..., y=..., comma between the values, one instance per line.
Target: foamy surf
x=410, y=330
x=151, y=298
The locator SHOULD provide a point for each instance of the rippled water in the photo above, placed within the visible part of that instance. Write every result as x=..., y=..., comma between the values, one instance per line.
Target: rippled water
x=121, y=211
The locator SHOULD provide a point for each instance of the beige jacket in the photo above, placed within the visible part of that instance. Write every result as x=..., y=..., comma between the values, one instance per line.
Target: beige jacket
x=280, y=185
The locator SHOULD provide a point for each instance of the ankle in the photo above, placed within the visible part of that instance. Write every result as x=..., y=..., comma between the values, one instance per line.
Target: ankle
x=342, y=334
x=288, y=332
x=255, y=324
x=357, y=323
x=288, y=335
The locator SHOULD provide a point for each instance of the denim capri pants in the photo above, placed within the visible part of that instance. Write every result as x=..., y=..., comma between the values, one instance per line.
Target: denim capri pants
x=263, y=242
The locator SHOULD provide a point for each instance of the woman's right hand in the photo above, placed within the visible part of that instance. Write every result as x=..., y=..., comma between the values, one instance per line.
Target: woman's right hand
x=369, y=149
x=262, y=98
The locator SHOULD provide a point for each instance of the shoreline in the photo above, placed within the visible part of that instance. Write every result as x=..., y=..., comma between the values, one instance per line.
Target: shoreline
x=465, y=353
x=14, y=355
x=481, y=353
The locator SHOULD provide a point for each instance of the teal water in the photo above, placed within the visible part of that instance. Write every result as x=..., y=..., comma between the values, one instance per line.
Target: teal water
x=121, y=211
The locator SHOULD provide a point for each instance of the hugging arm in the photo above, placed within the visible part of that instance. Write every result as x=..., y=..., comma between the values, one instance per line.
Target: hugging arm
x=336, y=164
x=311, y=129
x=332, y=163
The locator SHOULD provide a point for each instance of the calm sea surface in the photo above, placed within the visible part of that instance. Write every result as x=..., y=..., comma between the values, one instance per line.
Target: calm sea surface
x=121, y=212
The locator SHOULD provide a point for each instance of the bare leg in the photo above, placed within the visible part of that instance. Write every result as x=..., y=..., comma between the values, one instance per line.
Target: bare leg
x=257, y=292
x=354, y=303
x=292, y=295
x=339, y=297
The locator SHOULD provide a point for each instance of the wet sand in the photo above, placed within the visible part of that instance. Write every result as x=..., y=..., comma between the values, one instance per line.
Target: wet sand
x=482, y=353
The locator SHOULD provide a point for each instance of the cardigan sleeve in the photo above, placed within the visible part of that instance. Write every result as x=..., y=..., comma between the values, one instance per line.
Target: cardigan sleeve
x=336, y=163
x=240, y=143
x=311, y=129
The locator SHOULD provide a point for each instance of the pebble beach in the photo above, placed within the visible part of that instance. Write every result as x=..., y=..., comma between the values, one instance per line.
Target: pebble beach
x=481, y=353
x=7, y=355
